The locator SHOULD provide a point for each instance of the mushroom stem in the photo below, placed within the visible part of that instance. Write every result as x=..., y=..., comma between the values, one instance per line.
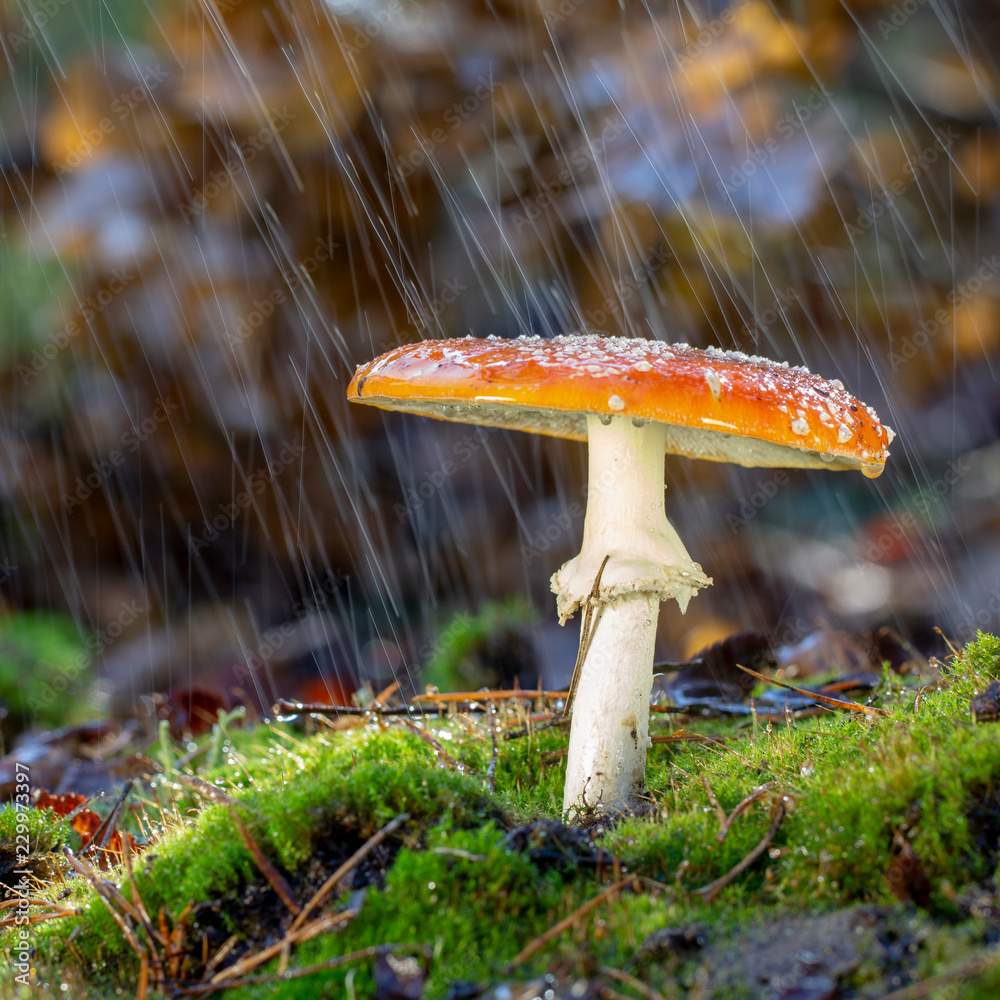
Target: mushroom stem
x=610, y=729
x=648, y=563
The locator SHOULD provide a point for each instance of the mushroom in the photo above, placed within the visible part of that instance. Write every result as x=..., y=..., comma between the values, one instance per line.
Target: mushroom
x=632, y=401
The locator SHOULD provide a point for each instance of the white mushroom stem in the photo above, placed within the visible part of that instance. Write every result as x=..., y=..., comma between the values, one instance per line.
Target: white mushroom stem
x=648, y=564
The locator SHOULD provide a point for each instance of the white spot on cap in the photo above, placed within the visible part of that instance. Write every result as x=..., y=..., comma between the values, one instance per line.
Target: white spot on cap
x=616, y=403
x=890, y=435
x=800, y=427
x=713, y=382
x=642, y=366
x=844, y=434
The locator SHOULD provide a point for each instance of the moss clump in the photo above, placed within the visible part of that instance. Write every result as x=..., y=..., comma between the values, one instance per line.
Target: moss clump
x=291, y=791
x=854, y=788
x=31, y=841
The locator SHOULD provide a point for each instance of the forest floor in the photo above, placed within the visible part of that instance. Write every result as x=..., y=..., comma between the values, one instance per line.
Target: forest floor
x=850, y=854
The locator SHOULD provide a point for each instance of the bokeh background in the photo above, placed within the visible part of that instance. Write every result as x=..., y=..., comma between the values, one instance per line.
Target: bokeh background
x=213, y=210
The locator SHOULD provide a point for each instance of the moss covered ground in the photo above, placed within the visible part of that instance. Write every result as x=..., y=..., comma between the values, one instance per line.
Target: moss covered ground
x=882, y=867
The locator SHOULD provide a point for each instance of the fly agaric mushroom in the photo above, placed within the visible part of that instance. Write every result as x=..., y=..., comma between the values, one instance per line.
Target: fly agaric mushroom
x=632, y=401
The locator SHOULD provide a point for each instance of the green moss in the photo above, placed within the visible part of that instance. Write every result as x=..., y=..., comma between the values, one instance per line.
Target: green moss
x=45, y=831
x=452, y=661
x=849, y=784
x=43, y=661
x=31, y=841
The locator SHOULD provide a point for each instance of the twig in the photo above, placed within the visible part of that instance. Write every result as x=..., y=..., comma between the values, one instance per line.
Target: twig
x=283, y=707
x=8, y=904
x=476, y=700
x=607, y=993
x=950, y=644
x=686, y=736
x=683, y=735
x=102, y=890
x=553, y=932
x=714, y=802
x=586, y=633
x=491, y=771
x=533, y=720
x=427, y=738
x=372, y=842
x=384, y=695
x=758, y=793
x=213, y=963
x=623, y=977
x=306, y=970
x=277, y=881
x=204, y=788
x=851, y=706
x=107, y=826
x=713, y=888
x=536, y=727
x=916, y=701
x=481, y=697
x=38, y=918
x=250, y=962
x=144, y=922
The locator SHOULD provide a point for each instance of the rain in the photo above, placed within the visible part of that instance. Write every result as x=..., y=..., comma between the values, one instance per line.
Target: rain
x=214, y=211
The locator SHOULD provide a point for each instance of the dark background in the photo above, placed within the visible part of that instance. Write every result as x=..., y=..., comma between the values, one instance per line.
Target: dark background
x=211, y=212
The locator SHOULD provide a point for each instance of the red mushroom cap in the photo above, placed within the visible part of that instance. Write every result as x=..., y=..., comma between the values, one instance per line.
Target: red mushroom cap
x=718, y=405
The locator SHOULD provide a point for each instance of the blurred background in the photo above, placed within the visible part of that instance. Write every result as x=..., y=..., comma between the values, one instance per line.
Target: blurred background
x=212, y=210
